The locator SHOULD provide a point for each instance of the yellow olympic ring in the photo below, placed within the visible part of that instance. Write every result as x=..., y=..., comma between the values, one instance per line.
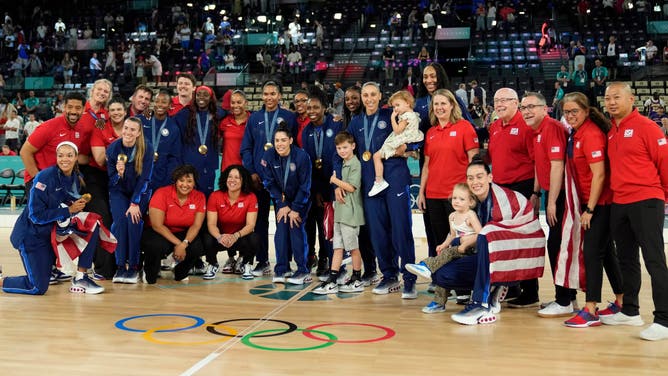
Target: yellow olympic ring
x=148, y=335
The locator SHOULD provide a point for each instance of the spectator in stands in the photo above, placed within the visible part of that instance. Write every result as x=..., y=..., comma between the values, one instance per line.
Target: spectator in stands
x=583, y=14
x=129, y=61
x=30, y=103
x=431, y=25
x=665, y=51
x=229, y=59
x=491, y=15
x=295, y=31
x=184, y=36
x=295, y=63
x=480, y=15
x=156, y=67
x=34, y=65
x=580, y=79
x=338, y=100
x=423, y=57
x=388, y=63
x=600, y=77
x=660, y=117
x=650, y=52
x=110, y=62
x=30, y=125
x=651, y=104
x=613, y=48
x=556, y=102
x=477, y=92
x=461, y=93
x=319, y=34
x=12, y=128
x=7, y=151
x=564, y=78
x=94, y=66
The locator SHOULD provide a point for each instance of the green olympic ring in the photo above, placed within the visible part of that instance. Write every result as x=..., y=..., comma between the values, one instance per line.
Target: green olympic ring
x=246, y=340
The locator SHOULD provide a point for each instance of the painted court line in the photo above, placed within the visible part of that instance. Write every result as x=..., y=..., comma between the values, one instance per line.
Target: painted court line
x=228, y=344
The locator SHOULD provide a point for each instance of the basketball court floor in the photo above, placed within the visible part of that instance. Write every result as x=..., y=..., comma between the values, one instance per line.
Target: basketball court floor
x=231, y=326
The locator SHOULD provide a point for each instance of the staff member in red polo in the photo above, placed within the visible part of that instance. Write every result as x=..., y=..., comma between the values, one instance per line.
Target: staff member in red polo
x=511, y=153
x=450, y=144
x=550, y=154
x=231, y=217
x=177, y=213
x=587, y=156
x=232, y=129
x=638, y=154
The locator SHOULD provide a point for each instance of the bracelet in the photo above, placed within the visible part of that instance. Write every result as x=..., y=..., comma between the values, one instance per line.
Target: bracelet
x=588, y=211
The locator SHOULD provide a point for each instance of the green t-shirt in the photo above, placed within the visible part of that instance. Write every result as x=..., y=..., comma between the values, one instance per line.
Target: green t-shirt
x=351, y=213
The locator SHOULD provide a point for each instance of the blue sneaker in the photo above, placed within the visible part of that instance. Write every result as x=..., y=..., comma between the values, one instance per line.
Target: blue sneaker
x=474, y=314
x=58, y=276
x=299, y=279
x=119, y=277
x=420, y=269
x=131, y=276
x=387, y=286
x=409, y=291
x=433, y=307
x=497, y=296
x=85, y=285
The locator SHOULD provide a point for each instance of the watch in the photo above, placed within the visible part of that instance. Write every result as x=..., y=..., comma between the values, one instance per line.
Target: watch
x=588, y=211
x=186, y=241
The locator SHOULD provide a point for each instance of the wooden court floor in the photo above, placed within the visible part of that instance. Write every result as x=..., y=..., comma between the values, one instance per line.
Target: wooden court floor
x=217, y=328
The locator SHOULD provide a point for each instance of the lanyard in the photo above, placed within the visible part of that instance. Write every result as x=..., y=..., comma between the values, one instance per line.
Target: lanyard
x=318, y=140
x=269, y=127
x=132, y=154
x=202, y=135
x=155, y=138
x=368, y=135
x=286, y=172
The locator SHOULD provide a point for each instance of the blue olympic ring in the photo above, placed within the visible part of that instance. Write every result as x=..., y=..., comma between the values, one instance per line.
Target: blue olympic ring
x=120, y=324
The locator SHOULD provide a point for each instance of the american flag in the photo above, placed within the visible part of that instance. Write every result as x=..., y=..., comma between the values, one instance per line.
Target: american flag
x=570, y=271
x=83, y=225
x=516, y=241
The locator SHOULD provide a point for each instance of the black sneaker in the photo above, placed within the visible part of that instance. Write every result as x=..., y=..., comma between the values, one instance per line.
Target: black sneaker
x=523, y=301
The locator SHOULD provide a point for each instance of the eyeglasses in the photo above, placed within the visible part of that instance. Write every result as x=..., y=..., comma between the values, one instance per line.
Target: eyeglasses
x=530, y=107
x=574, y=112
x=504, y=100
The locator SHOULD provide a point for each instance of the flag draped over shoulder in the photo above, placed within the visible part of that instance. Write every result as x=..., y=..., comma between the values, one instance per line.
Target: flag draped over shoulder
x=70, y=241
x=516, y=241
x=570, y=271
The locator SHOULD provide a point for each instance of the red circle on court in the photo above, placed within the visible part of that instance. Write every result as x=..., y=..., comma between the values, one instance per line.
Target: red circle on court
x=389, y=333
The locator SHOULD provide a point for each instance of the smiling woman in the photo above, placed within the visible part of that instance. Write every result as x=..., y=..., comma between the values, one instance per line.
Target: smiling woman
x=177, y=213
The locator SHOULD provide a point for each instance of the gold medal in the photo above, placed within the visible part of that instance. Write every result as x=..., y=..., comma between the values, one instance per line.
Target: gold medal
x=203, y=149
x=318, y=163
x=268, y=146
x=122, y=158
x=366, y=156
x=86, y=197
x=155, y=156
x=99, y=123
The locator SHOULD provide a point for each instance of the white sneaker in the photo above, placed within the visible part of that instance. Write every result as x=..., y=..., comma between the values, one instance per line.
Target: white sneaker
x=326, y=288
x=248, y=272
x=622, y=319
x=299, y=279
x=555, y=310
x=498, y=296
x=210, y=272
x=277, y=279
x=353, y=286
x=655, y=332
x=420, y=269
x=378, y=187
x=168, y=263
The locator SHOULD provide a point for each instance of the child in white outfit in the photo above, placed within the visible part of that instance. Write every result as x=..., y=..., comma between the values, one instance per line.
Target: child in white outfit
x=405, y=130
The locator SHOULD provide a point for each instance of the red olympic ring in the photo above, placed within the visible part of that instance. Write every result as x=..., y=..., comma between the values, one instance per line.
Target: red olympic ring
x=389, y=333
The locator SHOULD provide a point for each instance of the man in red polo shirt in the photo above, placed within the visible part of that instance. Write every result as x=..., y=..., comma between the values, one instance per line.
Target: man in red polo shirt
x=549, y=156
x=511, y=154
x=638, y=154
x=185, y=88
x=39, y=151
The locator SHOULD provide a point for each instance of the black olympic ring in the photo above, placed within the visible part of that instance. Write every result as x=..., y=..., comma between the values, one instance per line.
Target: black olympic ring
x=212, y=329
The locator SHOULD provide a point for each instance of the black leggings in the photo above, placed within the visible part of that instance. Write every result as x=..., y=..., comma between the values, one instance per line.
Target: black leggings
x=155, y=247
x=246, y=245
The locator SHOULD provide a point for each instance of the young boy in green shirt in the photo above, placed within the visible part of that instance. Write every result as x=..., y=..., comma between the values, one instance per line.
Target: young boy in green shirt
x=348, y=217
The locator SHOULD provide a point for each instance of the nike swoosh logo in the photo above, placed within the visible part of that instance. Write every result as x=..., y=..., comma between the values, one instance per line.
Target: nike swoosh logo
x=399, y=194
x=62, y=134
x=58, y=189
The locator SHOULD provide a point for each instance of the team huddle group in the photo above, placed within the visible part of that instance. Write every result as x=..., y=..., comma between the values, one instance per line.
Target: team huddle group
x=345, y=177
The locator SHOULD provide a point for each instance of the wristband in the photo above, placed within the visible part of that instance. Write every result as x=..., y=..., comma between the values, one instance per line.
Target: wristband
x=588, y=211
x=538, y=194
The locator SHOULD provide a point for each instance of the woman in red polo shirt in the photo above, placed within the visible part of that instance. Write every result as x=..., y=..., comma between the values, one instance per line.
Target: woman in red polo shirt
x=177, y=213
x=449, y=145
x=587, y=155
x=231, y=216
x=232, y=129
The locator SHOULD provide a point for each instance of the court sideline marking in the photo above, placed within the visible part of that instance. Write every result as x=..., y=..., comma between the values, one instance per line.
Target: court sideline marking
x=228, y=344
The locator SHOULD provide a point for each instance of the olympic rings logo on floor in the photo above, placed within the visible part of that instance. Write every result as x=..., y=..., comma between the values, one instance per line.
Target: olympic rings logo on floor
x=226, y=332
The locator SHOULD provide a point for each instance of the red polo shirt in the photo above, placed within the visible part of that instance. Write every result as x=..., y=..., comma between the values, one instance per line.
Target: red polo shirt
x=638, y=157
x=102, y=137
x=511, y=150
x=178, y=217
x=301, y=123
x=231, y=217
x=175, y=107
x=232, y=133
x=47, y=136
x=447, y=149
x=549, y=145
x=589, y=146
x=88, y=120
